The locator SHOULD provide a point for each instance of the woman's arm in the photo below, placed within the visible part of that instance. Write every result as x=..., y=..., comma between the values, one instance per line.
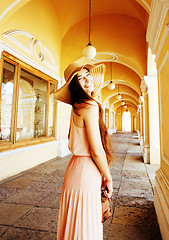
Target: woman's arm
x=90, y=115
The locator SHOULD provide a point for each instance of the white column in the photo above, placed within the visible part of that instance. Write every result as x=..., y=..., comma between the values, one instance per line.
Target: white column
x=151, y=82
x=141, y=122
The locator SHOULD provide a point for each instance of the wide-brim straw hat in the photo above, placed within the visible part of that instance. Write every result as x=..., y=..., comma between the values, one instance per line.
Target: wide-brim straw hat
x=96, y=71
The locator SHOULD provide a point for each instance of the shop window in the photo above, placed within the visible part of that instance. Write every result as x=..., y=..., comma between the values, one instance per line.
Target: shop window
x=7, y=89
x=27, y=109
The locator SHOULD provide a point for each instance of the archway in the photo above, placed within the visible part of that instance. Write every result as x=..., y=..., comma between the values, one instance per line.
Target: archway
x=126, y=121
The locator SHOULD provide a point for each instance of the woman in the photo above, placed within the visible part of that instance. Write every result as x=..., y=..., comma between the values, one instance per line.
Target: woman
x=80, y=211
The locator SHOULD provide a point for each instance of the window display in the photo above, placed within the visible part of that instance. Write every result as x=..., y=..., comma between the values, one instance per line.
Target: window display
x=27, y=109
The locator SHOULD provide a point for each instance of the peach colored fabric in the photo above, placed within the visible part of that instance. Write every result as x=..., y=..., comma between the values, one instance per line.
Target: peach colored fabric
x=80, y=210
x=78, y=143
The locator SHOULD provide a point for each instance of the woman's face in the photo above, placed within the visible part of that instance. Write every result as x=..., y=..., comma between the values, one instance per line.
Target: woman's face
x=85, y=81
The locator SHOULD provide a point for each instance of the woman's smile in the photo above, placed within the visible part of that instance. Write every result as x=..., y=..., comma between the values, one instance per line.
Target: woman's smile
x=86, y=81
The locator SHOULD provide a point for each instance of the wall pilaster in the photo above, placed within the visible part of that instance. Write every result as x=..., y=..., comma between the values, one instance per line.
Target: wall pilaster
x=151, y=82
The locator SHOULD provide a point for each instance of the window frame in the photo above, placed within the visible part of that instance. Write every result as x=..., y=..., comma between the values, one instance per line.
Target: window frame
x=12, y=144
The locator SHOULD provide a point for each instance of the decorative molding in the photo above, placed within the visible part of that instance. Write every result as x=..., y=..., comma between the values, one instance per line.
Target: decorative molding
x=166, y=31
x=161, y=120
x=32, y=49
x=157, y=17
x=143, y=86
x=108, y=57
x=9, y=8
x=5, y=47
x=141, y=99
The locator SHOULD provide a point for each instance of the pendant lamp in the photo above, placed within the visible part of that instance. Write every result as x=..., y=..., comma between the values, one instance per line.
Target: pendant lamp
x=123, y=103
x=89, y=51
x=118, y=95
x=111, y=85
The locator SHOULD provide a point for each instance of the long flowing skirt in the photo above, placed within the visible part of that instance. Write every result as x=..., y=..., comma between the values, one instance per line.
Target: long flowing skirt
x=80, y=210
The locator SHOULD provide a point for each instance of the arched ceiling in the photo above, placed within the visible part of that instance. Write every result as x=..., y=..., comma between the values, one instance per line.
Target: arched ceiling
x=118, y=28
x=75, y=10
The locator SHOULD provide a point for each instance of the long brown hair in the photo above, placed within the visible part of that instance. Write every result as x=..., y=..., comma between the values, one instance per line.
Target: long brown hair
x=78, y=95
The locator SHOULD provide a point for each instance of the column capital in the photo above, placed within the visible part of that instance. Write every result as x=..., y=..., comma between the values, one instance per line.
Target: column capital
x=141, y=99
x=143, y=85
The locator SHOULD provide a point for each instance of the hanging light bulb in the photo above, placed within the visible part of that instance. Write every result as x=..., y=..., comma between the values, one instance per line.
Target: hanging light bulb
x=118, y=95
x=125, y=106
x=89, y=51
x=123, y=103
x=111, y=85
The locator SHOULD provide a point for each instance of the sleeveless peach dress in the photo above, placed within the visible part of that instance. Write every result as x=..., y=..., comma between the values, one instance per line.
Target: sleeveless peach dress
x=80, y=212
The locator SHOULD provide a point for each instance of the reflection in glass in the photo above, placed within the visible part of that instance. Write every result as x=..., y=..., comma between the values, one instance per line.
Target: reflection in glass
x=32, y=105
x=6, y=101
x=51, y=110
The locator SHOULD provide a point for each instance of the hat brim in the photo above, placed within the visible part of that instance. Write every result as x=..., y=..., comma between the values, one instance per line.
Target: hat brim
x=96, y=71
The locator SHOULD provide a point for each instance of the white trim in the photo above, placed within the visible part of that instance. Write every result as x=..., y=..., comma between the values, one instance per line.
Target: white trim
x=156, y=21
x=32, y=47
x=166, y=31
x=19, y=55
x=146, y=4
x=21, y=150
x=160, y=68
x=115, y=93
x=52, y=59
x=9, y=8
x=9, y=36
x=120, y=59
x=118, y=81
x=162, y=12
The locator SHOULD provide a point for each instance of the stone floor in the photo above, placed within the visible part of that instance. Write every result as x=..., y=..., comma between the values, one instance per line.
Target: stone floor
x=29, y=202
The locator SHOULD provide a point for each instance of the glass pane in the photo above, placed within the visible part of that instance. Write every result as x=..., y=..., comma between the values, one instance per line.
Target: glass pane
x=32, y=105
x=51, y=110
x=6, y=101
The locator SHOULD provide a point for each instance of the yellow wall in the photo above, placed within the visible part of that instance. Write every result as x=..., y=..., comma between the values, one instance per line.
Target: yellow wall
x=38, y=19
x=158, y=36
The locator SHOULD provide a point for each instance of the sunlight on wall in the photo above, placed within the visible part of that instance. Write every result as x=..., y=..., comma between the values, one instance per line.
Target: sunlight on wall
x=126, y=122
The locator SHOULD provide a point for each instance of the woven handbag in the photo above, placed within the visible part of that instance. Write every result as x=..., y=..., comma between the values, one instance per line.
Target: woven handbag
x=106, y=209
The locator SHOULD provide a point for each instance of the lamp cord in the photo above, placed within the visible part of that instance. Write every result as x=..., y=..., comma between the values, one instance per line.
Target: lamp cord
x=89, y=19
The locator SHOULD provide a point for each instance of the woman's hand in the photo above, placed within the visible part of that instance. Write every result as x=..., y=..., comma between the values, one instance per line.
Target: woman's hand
x=109, y=188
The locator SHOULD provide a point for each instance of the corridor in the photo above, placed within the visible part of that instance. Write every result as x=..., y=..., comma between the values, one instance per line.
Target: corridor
x=29, y=202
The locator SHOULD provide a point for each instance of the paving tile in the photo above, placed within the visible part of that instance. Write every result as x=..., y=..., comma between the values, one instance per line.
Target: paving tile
x=135, y=189
x=130, y=215
x=46, y=169
x=137, y=175
x=134, y=167
x=125, y=232
x=10, y=213
x=39, y=219
x=27, y=196
x=106, y=228
x=51, y=201
x=3, y=229
x=116, y=184
x=24, y=234
x=41, y=185
x=39, y=189
x=19, y=182
x=135, y=201
x=5, y=192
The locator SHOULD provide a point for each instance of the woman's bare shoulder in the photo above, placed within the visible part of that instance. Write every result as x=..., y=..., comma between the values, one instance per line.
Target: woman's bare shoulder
x=90, y=112
x=87, y=106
